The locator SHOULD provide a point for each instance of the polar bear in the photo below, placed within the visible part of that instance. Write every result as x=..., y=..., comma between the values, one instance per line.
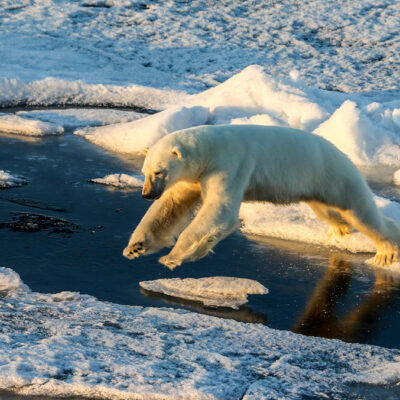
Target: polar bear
x=215, y=168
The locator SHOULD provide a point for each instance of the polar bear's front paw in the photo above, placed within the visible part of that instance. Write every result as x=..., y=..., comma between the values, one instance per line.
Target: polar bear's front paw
x=134, y=250
x=170, y=262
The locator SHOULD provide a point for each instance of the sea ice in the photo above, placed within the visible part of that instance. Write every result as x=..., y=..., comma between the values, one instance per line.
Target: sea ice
x=73, y=118
x=22, y=126
x=121, y=181
x=133, y=137
x=68, y=344
x=216, y=291
x=8, y=181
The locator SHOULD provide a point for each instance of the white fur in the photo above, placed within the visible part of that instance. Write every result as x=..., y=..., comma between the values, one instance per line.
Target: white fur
x=224, y=165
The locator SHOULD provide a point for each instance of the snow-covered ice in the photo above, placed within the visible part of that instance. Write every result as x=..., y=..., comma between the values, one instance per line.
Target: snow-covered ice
x=360, y=126
x=70, y=344
x=122, y=181
x=74, y=118
x=8, y=181
x=133, y=137
x=216, y=291
x=56, y=47
x=29, y=127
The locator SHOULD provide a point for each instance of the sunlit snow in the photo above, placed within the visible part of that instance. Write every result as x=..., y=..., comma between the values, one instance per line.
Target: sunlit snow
x=122, y=181
x=29, y=127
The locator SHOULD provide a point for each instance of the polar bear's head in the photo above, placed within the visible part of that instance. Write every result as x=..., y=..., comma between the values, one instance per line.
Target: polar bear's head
x=163, y=166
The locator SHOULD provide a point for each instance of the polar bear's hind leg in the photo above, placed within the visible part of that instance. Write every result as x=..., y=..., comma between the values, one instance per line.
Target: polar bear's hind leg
x=338, y=227
x=383, y=232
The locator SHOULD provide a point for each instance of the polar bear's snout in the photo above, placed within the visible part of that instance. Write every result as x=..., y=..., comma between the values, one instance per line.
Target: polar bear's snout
x=153, y=188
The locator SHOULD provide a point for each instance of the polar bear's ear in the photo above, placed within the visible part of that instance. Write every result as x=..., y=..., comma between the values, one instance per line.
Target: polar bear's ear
x=145, y=151
x=177, y=152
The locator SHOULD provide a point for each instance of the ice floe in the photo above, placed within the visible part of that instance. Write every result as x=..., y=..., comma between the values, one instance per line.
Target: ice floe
x=68, y=344
x=122, y=181
x=133, y=137
x=59, y=92
x=215, y=291
x=74, y=118
x=8, y=181
x=30, y=127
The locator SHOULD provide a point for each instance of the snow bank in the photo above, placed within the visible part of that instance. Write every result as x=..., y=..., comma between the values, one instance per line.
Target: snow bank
x=216, y=291
x=298, y=222
x=68, y=344
x=29, y=127
x=121, y=181
x=368, y=132
x=133, y=137
x=8, y=181
x=253, y=92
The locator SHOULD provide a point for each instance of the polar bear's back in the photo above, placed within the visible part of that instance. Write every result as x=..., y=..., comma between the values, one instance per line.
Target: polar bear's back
x=285, y=164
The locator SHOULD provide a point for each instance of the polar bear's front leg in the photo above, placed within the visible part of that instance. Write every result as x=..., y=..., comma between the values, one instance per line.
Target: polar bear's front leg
x=163, y=221
x=217, y=218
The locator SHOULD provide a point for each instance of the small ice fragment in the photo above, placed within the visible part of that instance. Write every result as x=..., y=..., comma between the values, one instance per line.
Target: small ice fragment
x=28, y=127
x=8, y=181
x=216, y=291
x=10, y=281
x=122, y=181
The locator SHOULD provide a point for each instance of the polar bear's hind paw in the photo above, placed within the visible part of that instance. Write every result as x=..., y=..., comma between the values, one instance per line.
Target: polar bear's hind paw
x=169, y=262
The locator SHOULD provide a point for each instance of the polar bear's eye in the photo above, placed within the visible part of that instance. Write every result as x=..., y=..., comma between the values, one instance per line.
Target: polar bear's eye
x=158, y=173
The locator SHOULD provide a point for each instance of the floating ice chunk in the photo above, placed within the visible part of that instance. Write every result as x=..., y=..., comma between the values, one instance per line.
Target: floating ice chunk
x=29, y=127
x=299, y=223
x=216, y=291
x=11, y=282
x=132, y=137
x=8, y=181
x=120, y=181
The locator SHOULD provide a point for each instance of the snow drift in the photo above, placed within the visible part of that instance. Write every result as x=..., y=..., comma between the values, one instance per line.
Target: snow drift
x=133, y=137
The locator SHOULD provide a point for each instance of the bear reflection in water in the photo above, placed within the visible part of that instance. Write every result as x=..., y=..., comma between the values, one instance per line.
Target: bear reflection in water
x=320, y=317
